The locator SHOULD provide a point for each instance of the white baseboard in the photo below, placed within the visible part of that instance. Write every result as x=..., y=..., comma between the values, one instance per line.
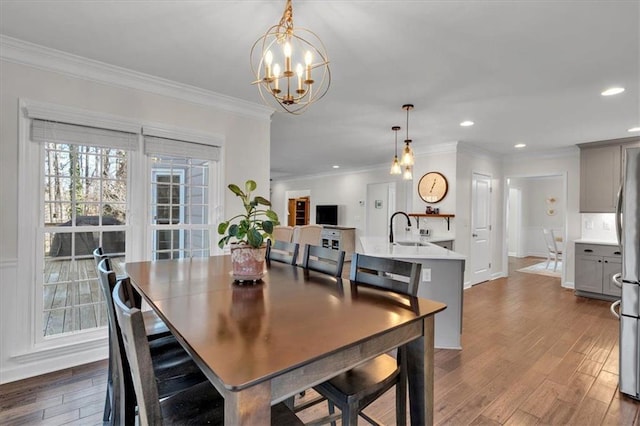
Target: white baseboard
x=569, y=285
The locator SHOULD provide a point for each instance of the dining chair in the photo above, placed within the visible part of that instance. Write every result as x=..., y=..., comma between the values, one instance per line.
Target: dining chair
x=196, y=405
x=283, y=233
x=173, y=367
x=323, y=259
x=281, y=251
x=355, y=389
x=552, y=248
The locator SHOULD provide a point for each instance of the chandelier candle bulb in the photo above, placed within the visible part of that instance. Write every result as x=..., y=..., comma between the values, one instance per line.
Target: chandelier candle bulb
x=308, y=59
x=268, y=59
x=299, y=71
x=287, y=60
x=276, y=76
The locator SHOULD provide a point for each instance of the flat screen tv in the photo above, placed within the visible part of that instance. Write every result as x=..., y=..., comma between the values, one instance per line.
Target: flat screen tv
x=327, y=215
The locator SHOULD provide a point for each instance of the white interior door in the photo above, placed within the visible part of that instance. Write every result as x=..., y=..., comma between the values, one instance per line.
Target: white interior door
x=480, y=228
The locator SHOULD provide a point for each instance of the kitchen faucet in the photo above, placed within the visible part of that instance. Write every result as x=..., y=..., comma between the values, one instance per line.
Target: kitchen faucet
x=391, y=223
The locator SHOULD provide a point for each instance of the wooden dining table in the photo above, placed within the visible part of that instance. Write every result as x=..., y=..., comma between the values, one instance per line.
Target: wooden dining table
x=261, y=344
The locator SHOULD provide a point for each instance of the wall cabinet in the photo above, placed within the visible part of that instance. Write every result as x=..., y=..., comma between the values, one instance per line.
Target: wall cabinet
x=339, y=238
x=601, y=169
x=595, y=265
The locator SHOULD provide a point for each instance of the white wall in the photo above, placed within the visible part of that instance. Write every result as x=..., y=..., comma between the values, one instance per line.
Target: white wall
x=535, y=194
x=347, y=190
x=246, y=155
x=566, y=163
x=599, y=226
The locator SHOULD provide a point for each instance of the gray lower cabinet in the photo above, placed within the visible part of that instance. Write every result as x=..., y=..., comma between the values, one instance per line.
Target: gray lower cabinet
x=595, y=265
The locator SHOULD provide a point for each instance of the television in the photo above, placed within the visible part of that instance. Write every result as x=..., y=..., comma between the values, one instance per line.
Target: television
x=327, y=215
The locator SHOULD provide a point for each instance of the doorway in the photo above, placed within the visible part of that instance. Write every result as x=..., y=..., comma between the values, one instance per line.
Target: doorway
x=298, y=211
x=533, y=203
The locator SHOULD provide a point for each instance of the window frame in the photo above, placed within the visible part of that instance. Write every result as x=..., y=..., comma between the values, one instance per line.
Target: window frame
x=31, y=231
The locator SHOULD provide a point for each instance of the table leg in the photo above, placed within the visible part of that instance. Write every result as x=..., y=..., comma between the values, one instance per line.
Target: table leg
x=251, y=406
x=420, y=375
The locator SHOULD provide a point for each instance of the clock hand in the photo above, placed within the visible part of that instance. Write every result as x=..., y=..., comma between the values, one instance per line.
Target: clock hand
x=434, y=184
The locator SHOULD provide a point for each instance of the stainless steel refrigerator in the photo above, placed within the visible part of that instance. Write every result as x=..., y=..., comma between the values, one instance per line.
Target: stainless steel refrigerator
x=628, y=227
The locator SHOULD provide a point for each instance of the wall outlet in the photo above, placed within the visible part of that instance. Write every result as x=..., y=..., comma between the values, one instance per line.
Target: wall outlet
x=588, y=224
x=426, y=275
x=606, y=226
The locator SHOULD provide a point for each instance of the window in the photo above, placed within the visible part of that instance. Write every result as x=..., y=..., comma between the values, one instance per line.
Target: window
x=180, y=214
x=84, y=205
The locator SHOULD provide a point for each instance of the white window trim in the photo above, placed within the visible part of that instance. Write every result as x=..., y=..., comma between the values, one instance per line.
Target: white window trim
x=36, y=347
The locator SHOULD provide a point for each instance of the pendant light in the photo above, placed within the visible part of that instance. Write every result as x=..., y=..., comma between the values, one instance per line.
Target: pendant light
x=395, y=165
x=408, y=174
x=407, y=152
x=290, y=65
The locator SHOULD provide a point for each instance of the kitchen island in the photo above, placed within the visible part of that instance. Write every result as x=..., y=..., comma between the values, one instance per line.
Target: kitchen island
x=442, y=279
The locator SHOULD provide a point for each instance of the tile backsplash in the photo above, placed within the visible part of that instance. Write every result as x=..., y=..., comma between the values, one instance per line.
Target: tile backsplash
x=598, y=226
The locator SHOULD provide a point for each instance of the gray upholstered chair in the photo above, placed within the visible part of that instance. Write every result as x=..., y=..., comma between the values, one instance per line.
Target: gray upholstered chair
x=197, y=405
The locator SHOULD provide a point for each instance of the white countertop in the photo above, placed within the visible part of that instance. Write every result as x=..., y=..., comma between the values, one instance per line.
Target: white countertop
x=592, y=241
x=380, y=246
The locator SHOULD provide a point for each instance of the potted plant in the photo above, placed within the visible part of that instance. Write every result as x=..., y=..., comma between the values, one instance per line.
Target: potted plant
x=247, y=233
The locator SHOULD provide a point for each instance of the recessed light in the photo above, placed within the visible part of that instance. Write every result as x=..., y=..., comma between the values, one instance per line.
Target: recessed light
x=336, y=166
x=520, y=145
x=613, y=91
x=634, y=129
x=466, y=123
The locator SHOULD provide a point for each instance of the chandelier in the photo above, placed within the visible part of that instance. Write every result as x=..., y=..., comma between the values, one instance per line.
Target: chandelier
x=395, y=164
x=407, y=159
x=279, y=81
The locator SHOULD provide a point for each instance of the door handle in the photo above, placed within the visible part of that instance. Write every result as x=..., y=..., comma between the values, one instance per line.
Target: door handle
x=613, y=309
x=615, y=279
x=474, y=235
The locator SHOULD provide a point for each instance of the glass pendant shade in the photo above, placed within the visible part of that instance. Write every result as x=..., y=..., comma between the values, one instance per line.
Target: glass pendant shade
x=396, y=169
x=395, y=166
x=408, y=174
x=407, y=155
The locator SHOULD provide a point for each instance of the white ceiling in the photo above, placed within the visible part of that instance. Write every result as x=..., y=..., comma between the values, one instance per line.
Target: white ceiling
x=523, y=71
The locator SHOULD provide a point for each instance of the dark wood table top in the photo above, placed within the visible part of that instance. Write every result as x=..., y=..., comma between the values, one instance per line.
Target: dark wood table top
x=249, y=334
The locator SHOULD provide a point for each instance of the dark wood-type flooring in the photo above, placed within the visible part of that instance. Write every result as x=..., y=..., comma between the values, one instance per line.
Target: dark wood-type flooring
x=534, y=353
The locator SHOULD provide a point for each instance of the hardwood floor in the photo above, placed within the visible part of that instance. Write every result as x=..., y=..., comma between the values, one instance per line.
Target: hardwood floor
x=534, y=353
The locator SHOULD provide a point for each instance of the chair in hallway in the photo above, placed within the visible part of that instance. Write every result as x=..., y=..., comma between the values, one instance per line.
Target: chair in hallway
x=355, y=389
x=553, y=249
x=281, y=251
x=196, y=405
x=323, y=259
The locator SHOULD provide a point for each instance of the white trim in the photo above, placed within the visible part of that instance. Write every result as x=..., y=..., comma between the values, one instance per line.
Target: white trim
x=571, y=151
x=568, y=284
x=9, y=263
x=30, y=54
x=441, y=148
x=83, y=117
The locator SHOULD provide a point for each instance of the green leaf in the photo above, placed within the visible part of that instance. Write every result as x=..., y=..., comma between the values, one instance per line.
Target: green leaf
x=262, y=200
x=250, y=185
x=223, y=241
x=254, y=238
x=267, y=226
x=272, y=215
x=236, y=190
x=222, y=227
x=233, y=230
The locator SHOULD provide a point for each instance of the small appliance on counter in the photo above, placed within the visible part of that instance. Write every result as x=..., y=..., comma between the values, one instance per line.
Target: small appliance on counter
x=628, y=230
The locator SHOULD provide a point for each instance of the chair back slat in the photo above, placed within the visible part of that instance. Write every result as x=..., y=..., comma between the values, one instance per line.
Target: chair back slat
x=282, y=251
x=390, y=274
x=136, y=346
x=323, y=259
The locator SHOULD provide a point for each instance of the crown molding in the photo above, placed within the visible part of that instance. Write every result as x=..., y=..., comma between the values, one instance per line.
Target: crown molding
x=467, y=148
x=37, y=56
x=569, y=151
x=441, y=148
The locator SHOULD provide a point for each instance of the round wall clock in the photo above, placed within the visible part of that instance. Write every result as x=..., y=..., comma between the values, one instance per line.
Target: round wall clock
x=433, y=187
